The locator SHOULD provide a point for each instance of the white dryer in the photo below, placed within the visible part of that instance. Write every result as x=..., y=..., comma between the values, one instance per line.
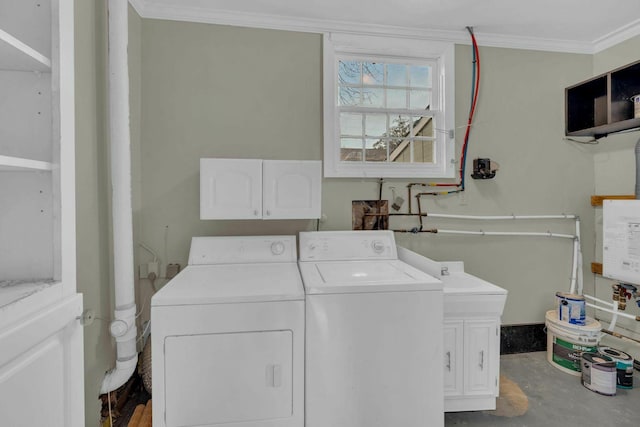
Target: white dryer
x=228, y=336
x=374, y=334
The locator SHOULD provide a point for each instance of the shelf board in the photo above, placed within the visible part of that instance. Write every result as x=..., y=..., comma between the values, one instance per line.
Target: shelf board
x=17, y=56
x=13, y=164
x=608, y=128
x=12, y=291
x=597, y=199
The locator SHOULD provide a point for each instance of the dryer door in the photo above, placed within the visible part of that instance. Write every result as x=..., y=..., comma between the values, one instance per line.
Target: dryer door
x=222, y=378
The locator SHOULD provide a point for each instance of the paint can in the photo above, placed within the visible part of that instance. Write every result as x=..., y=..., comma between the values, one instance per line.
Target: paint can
x=624, y=366
x=571, y=308
x=599, y=373
x=567, y=342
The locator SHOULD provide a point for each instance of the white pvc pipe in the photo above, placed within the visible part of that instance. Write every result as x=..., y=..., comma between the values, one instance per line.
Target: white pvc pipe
x=574, y=266
x=599, y=300
x=500, y=217
x=614, y=319
x=580, y=264
x=123, y=328
x=613, y=310
x=576, y=282
x=629, y=316
x=505, y=233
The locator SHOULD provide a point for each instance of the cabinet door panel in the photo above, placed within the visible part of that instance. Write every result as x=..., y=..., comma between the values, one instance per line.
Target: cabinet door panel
x=453, y=357
x=41, y=369
x=292, y=189
x=480, y=373
x=240, y=378
x=230, y=188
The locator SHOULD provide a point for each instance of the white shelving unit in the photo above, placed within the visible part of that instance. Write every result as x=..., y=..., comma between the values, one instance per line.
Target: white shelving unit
x=40, y=334
x=36, y=171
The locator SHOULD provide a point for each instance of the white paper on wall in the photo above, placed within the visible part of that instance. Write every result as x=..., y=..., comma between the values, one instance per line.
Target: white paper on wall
x=621, y=240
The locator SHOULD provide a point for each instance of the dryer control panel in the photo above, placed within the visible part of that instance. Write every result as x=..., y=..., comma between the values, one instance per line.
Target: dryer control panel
x=242, y=249
x=347, y=245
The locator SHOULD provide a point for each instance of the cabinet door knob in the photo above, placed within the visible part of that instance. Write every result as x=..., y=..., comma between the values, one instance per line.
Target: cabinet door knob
x=449, y=361
x=481, y=360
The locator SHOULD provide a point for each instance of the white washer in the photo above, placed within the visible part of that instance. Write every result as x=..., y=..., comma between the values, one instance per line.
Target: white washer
x=228, y=336
x=374, y=334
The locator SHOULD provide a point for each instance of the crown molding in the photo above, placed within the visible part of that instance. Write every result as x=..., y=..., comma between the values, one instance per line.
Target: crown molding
x=138, y=5
x=618, y=36
x=176, y=12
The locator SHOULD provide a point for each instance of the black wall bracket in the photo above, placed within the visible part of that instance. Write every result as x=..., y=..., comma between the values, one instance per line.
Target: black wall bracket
x=484, y=169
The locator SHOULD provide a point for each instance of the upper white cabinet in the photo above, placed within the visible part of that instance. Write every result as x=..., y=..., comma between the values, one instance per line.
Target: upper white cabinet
x=260, y=189
x=230, y=188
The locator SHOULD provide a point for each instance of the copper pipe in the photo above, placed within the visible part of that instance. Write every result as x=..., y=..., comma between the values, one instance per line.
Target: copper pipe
x=415, y=231
x=419, y=210
x=409, y=185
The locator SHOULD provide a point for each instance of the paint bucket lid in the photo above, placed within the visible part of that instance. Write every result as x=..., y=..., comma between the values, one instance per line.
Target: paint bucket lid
x=599, y=359
x=568, y=296
x=591, y=325
x=614, y=354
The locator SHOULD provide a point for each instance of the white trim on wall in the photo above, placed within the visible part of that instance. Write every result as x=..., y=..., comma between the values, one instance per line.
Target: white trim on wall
x=617, y=36
x=211, y=15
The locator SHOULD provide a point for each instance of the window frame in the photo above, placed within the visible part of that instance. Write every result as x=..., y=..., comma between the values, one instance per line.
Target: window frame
x=343, y=46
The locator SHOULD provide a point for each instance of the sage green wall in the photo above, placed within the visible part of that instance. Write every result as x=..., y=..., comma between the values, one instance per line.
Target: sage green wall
x=214, y=91
x=520, y=124
x=218, y=91
x=614, y=161
x=615, y=173
x=92, y=196
x=211, y=91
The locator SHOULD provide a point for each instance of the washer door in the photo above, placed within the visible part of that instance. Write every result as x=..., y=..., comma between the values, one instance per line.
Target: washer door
x=228, y=378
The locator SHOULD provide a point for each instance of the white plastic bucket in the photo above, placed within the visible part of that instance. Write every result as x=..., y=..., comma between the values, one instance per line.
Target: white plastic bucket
x=636, y=105
x=567, y=342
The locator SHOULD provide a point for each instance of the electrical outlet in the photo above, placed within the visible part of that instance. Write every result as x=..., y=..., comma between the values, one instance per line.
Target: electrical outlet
x=172, y=270
x=143, y=271
x=153, y=267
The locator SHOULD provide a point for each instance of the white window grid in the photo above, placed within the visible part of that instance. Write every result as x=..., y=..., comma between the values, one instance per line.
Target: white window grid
x=442, y=137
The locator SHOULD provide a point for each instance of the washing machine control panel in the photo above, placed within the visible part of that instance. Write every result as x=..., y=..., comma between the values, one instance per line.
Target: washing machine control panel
x=242, y=249
x=347, y=245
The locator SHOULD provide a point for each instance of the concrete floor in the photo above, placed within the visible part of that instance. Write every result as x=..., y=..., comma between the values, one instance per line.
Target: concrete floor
x=556, y=399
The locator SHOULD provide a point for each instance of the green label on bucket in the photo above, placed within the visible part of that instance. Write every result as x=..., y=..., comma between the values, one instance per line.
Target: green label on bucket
x=567, y=354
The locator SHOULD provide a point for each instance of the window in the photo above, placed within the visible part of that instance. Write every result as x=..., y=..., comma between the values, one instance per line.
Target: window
x=388, y=107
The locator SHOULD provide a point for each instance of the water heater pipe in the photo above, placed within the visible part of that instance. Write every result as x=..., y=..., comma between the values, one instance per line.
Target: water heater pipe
x=123, y=328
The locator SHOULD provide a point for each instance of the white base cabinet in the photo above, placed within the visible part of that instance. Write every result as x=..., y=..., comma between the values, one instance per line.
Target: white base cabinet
x=471, y=364
x=260, y=189
x=41, y=368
